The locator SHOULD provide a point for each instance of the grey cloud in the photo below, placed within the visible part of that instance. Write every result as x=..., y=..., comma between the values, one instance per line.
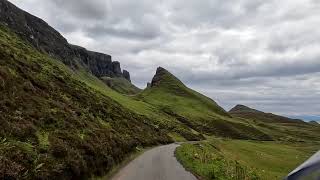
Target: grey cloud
x=137, y=32
x=281, y=98
x=93, y=9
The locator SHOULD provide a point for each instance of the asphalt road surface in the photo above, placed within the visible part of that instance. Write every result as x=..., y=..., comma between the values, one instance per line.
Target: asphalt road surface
x=156, y=164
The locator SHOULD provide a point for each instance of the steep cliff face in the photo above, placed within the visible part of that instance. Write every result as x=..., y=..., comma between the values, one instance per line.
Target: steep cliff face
x=101, y=65
x=36, y=31
x=126, y=75
x=46, y=39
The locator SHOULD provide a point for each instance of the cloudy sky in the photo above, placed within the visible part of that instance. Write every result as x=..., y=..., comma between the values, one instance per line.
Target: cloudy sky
x=262, y=53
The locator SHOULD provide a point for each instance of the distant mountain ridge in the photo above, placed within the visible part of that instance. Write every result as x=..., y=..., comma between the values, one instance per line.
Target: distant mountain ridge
x=46, y=39
x=243, y=108
x=247, y=112
x=315, y=123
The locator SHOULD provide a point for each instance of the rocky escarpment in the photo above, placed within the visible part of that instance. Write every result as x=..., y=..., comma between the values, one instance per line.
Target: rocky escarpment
x=100, y=64
x=157, y=77
x=46, y=39
x=126, y=75
x=161, y=75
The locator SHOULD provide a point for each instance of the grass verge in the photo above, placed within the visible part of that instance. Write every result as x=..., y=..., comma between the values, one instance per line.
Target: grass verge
x=241, y=159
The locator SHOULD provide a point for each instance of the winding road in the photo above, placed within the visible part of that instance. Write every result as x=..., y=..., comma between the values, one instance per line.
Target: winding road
x=156, y=164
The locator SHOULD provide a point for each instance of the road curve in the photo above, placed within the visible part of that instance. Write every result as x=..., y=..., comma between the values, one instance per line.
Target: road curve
x=156, y=164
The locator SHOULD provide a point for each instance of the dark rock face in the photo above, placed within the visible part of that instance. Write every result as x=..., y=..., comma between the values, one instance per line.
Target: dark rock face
x=116, y=68
x=158, y=76
x=47, y=39
x=36, y=31
x=126, y=75
x=98, y=63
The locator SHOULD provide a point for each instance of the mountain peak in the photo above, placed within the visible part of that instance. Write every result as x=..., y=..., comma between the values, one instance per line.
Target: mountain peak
x=242, y=108
x=314, y=123
x=163, y=76
x=161, y=69
x=165, y=84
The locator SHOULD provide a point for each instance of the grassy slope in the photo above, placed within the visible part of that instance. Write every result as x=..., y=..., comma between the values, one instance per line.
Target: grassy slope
x=152, y=104
x=171, y=92
x=240, y=159
x=197, y=111
x=168, y=109
x=156, y=116
x=121, y=85
x=53, y=125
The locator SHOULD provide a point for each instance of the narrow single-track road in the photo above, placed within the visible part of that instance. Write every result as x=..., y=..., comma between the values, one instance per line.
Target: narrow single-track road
x=156, y=164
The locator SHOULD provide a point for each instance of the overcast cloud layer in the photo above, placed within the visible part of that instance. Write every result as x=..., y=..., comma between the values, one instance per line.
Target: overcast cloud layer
x=264, y=54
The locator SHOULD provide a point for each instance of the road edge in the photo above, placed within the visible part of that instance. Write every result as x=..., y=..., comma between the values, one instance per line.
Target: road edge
x=130, y=157
x=193, y=173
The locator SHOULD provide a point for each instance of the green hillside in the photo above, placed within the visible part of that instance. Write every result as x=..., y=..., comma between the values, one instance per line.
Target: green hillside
x=53, y=125
x=194, y=109
x=217, y=158
x=70, y=113
x=158, y=118
x=167, y=90
x=63, y=123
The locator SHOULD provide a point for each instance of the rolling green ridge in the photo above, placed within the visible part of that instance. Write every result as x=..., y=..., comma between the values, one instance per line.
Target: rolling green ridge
x=194, y=109
x=278, y=127
x=249, y=113
x=157, y=117
x=185, y=121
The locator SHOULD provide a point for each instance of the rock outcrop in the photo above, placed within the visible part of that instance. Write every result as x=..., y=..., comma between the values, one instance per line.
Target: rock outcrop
x=101, y=65
x=46, y=39
x=126, y=75
x=158, y=76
